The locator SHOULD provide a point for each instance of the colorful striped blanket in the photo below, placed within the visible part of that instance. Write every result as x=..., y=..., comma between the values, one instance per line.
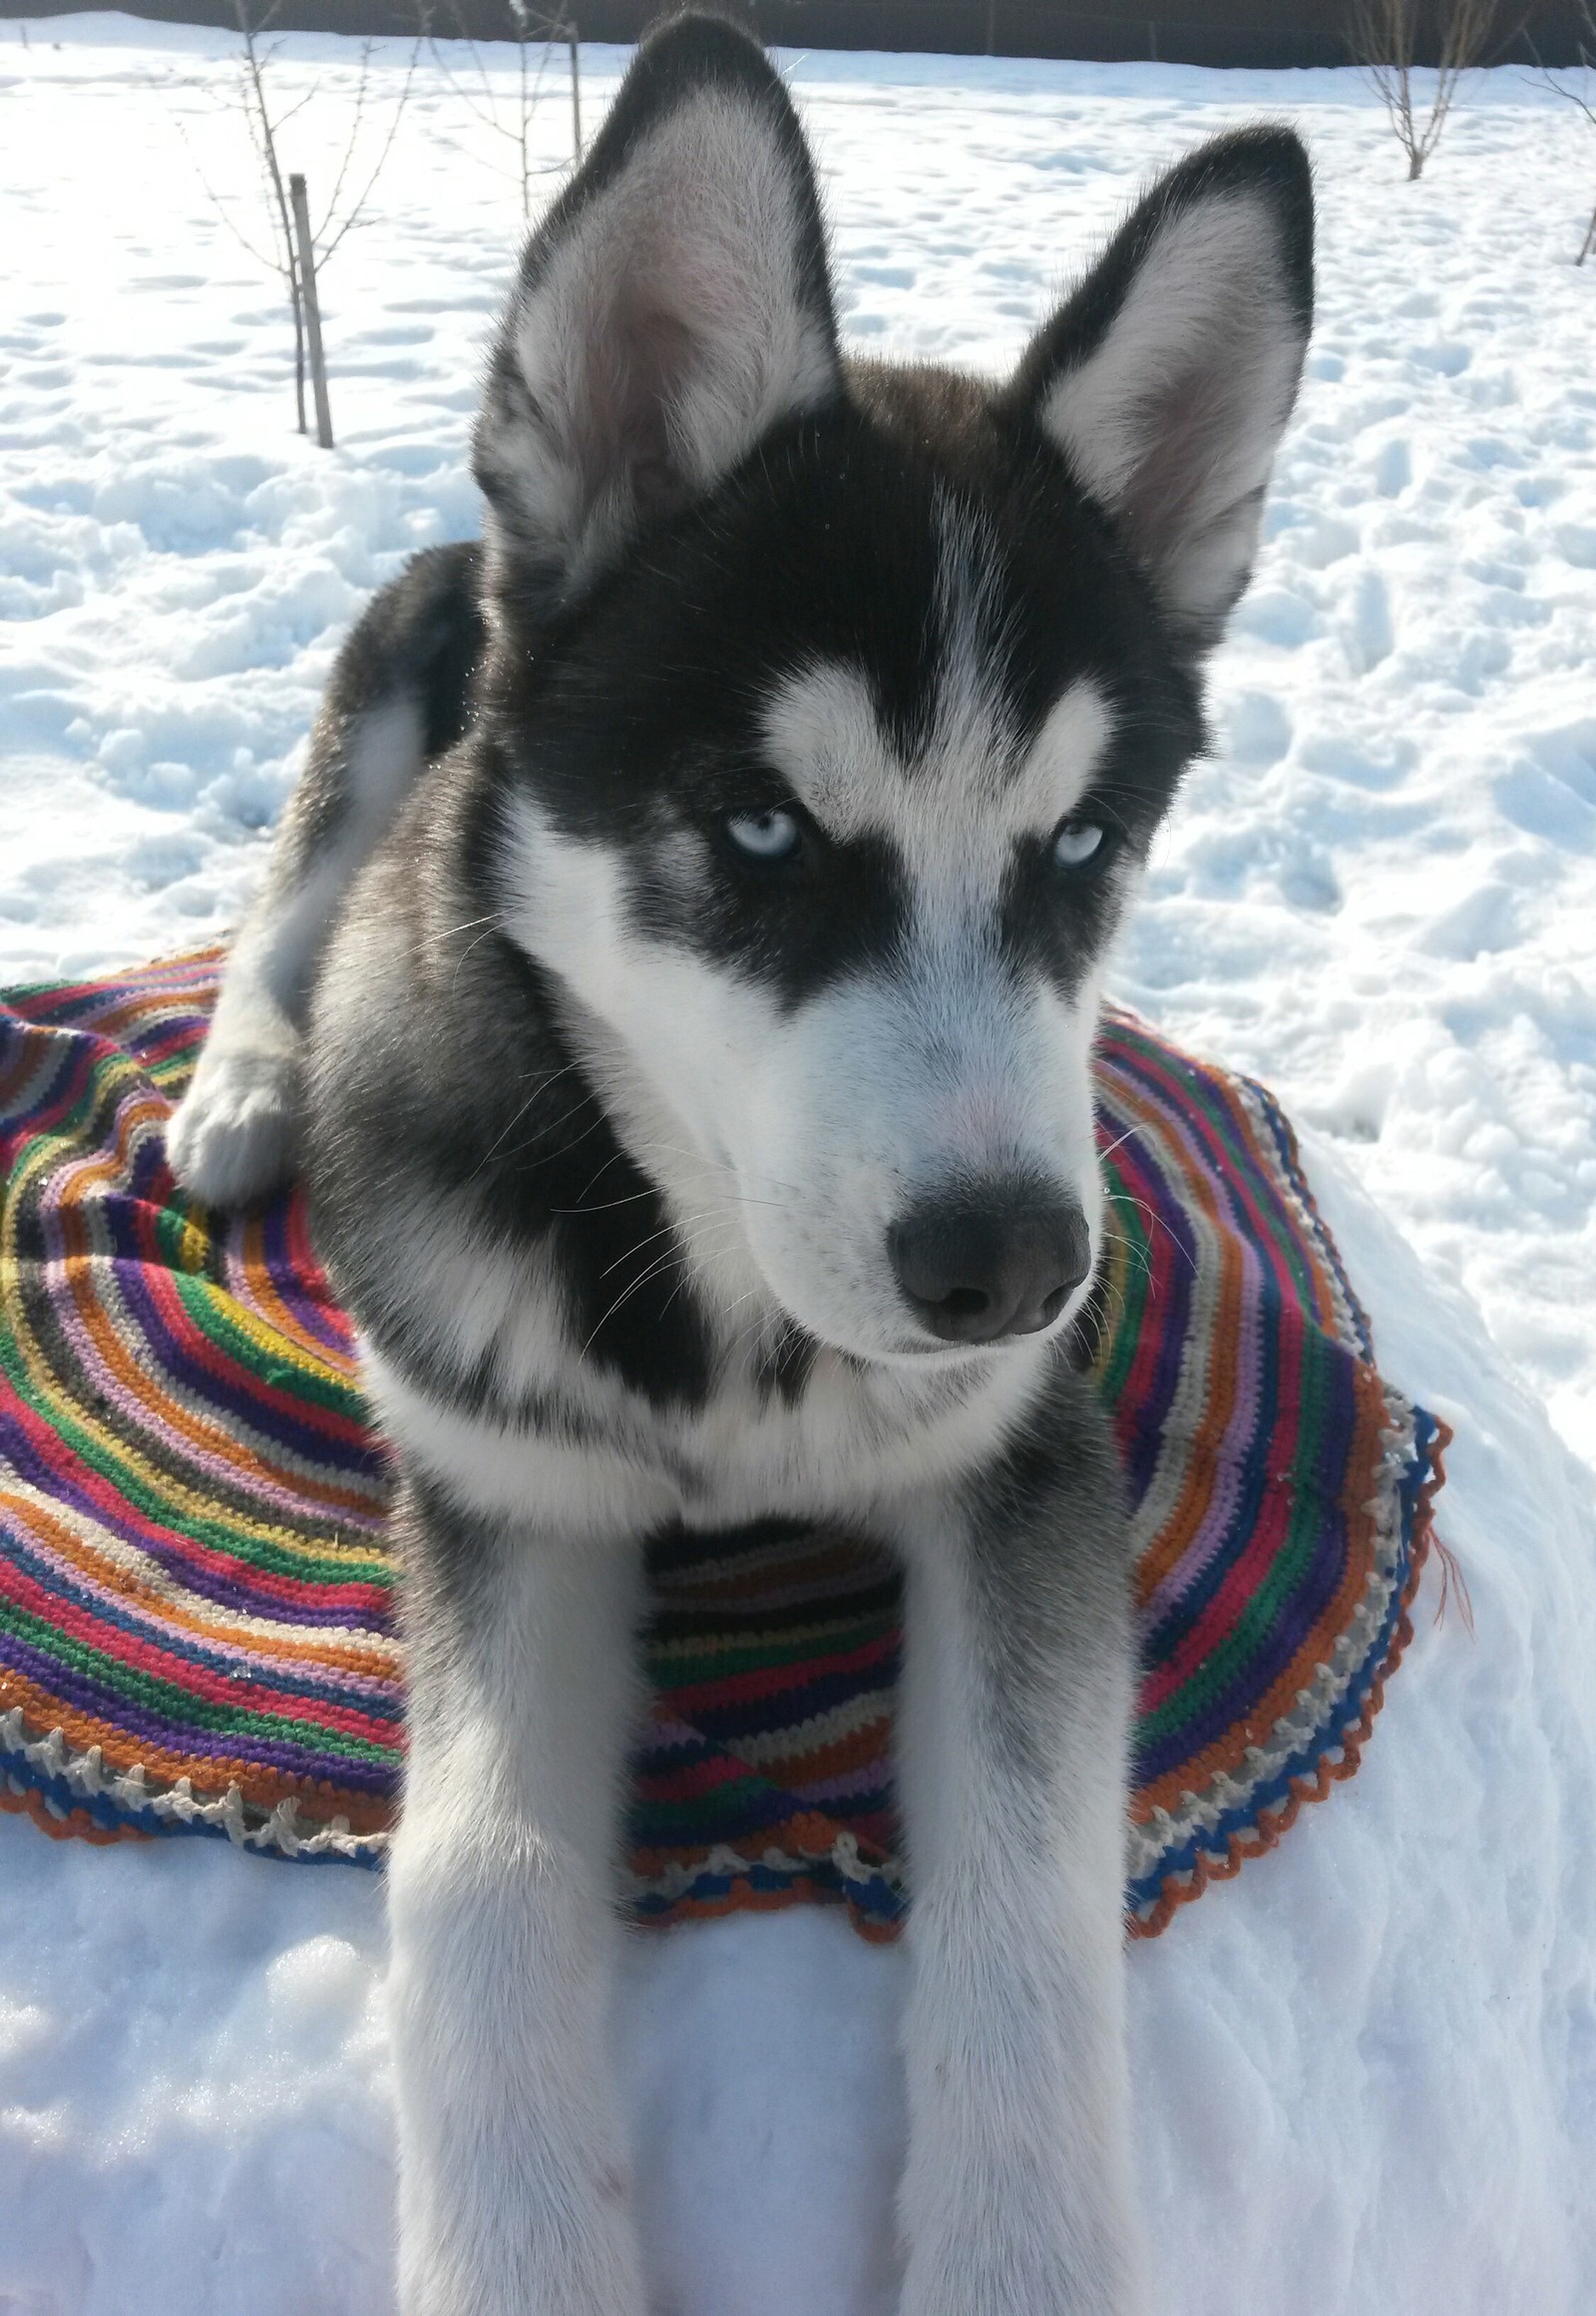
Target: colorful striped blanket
x=196, y=1593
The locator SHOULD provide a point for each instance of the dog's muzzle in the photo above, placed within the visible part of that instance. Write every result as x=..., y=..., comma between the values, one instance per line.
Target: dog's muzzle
x=993, y=1260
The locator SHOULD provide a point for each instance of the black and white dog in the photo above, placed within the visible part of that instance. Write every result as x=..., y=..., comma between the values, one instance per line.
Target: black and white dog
x=678, y=976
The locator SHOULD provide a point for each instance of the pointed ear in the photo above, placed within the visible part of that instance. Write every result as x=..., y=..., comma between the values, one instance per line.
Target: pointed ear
x=1169, y=375
x=672, y=307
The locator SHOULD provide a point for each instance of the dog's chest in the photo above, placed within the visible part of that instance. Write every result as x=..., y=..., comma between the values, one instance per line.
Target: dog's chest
x=762, y=1424
x=833, y=1438
x=844, y=1440
x=600, y=1456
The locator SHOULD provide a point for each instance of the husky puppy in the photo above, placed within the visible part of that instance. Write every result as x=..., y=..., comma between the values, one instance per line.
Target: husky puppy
x=677, y=978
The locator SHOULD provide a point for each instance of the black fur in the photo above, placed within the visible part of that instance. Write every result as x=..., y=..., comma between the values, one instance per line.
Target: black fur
x=631, y=715
x=1051, y=1542
x=636, y=714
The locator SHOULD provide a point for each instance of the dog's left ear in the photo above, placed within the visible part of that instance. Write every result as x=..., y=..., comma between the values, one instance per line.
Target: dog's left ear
x=673, y=307
x=1168, y=376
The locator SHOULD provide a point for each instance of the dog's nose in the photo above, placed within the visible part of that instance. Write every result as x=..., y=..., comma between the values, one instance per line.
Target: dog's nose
x=988, y=1264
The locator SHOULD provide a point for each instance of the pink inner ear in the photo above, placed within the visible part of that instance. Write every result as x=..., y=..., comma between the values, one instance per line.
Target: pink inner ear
x=1188, y=477
x=635, y=363
x=1182, y=430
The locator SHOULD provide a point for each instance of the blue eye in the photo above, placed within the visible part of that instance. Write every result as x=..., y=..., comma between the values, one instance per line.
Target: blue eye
x=1076, y=843
x=767, y=837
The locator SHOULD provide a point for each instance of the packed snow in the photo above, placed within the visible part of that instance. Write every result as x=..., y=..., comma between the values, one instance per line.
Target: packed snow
x=1366, y=2071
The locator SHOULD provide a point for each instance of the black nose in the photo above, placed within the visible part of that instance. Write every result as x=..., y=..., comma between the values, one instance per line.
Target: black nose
x=999, y=1258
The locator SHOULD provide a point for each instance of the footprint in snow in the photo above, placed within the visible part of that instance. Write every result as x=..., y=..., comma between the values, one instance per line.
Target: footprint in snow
x=1483, y=923
x=1369, y=637
x=1258, y=729
x=1393, y=468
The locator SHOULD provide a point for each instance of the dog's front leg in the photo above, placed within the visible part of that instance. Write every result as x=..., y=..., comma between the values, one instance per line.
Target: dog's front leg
x=1013, y=1744
x=513, y=2171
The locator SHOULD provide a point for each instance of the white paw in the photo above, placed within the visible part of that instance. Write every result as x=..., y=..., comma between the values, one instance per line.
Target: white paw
x=233, y=1134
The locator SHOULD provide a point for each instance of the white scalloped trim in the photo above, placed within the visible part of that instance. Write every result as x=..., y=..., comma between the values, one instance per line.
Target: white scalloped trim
x=283, y=1829
x=677, y=1880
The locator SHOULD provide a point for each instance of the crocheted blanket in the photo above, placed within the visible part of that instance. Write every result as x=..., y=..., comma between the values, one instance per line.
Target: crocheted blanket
x=196, y=1630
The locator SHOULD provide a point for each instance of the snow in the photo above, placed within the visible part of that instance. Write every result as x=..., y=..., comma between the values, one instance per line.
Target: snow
x=1366, y=2071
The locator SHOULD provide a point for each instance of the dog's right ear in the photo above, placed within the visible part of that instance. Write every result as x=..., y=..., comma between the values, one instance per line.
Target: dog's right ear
x=672, y=307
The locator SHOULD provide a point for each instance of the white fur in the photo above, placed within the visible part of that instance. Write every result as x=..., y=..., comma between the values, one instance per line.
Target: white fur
x=513, y=2174
x=822, y=734
x=956, y=810
x=853, y=1439
x=785, y=1145
x=1018, y=2196
x=1173, y=419
x=661, y=335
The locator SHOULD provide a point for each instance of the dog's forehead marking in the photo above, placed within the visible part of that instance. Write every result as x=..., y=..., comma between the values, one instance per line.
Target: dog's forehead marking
x=967, y=785
x=1062, y=760
x=823, y=734
x=955, y=800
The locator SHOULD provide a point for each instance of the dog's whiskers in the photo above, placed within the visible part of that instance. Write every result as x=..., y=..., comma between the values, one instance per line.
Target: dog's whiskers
x=672, y=1258
x=1156, y=1221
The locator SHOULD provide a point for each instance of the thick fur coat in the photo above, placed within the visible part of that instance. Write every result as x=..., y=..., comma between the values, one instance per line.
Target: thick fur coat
x=677, y=978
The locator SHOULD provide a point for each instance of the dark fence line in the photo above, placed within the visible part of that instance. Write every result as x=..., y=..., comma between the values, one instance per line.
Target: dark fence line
x=1203, y=32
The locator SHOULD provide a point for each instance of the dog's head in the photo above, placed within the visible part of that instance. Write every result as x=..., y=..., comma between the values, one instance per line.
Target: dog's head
x=837, y=706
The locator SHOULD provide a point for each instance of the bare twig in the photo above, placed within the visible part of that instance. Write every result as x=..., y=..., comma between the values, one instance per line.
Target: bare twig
x=357, y=115
x=329, y=236
x=284, y=118
x=265, y=121
x=1386, y=38
x=482, y=96
x=1579, y=97
x=262, y=131
x=260, y=257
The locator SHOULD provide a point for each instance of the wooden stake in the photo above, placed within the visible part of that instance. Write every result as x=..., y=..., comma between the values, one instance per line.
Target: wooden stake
x=307, y=287
x=575, y=86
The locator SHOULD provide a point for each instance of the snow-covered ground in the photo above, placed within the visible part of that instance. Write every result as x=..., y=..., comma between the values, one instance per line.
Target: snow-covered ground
x=1366, y=2071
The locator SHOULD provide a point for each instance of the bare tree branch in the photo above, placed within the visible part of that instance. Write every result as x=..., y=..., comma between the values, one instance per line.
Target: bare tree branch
x=355, y=215
x=262, y=134
x=353, y=137
x=265, y=124
x=293, y=109
x=1579, y=97
x=262, y=127
x=526, y=29
x=1386, y=37
x=260, y=257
